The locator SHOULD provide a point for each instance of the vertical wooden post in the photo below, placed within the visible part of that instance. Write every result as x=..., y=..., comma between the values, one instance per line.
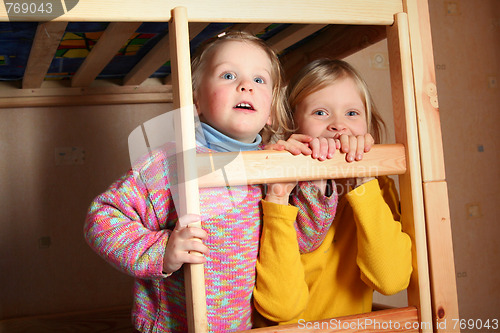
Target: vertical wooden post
x=189, y=202
x=439, y=237
x=405, y=122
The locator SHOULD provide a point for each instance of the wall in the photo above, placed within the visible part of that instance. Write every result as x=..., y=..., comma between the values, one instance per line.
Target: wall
x=46, y=266
x=466, y=45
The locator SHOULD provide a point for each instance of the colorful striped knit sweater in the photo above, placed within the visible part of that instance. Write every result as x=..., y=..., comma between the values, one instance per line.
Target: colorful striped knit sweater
x=129, y=226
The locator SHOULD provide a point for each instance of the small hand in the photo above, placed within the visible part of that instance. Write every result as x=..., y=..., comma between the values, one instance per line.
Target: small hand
x=324, y=148
x=296, y=144
x=182, y=241
x=355, y=146
x=279, y=192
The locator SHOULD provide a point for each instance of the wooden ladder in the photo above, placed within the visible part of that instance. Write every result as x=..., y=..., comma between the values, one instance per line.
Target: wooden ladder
x=417, y=158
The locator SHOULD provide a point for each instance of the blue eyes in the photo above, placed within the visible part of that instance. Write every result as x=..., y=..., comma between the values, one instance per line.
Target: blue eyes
x=231, y=76
x=320, y=113
x=324, y=113
x=228, y=76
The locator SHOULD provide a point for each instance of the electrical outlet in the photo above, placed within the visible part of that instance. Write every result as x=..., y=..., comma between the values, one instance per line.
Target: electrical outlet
x=473, y=211
x=461, y=274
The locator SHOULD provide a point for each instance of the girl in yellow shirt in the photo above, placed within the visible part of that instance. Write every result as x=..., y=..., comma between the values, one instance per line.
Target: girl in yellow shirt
x=323, y=271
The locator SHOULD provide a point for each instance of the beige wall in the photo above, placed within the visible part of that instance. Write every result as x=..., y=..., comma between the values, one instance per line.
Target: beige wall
x=466, y=42
x=42, y=199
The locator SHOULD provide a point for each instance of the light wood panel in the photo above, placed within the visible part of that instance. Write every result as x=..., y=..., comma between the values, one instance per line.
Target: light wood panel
x=108, y=45
x=47, y=38
x=411, y=192
x=253, y=28
x=442, y=267
x=258, y=11
x=393, y=320
x=185, y=144
x=268, y=166
x=425, y=91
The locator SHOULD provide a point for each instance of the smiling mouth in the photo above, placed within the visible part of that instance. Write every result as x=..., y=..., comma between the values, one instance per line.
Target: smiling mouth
x=244, y=106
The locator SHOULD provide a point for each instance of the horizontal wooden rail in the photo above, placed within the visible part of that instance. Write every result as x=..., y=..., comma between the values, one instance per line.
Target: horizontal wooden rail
x=268, y=166
x=290, y=11
x=393, y=320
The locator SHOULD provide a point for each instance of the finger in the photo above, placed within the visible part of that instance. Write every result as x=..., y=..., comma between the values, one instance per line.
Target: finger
x=360, y=149
x=191, y=257
x=193, y=232
x=295, y=147
x=369, y=142
x=275, y=146
x=331, y=148
x=352, y=148
x=188, y=219
x=314, y=145
x=344, y=143
x=301, y=138
x=323, y=149
x=337, y=144
x=196, y=246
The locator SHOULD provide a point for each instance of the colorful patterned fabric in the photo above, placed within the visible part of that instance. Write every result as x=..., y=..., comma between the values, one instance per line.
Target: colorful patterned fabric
x=315, y=216
x=129, y=226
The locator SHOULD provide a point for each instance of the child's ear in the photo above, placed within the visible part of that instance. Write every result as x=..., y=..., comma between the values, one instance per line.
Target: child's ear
x=269, y=120
x=196, y=107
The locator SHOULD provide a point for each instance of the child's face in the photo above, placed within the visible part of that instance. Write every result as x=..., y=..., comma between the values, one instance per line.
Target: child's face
x=235, y=92
x=334, y=110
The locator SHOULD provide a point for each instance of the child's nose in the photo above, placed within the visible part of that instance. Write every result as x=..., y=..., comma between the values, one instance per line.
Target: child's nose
x=337, y=125
x=245, y=85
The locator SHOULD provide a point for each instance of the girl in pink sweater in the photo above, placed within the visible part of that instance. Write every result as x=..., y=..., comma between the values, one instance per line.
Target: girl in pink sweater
x=135, y=227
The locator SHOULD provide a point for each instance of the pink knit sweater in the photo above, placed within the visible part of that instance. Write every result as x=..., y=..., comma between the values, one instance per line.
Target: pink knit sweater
x=130, y=223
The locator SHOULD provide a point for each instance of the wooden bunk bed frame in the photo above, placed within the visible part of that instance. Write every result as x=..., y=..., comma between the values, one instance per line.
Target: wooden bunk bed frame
x=417, y=157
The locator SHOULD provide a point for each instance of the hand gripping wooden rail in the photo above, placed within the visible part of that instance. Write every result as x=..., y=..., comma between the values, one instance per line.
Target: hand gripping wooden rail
x=432, y=298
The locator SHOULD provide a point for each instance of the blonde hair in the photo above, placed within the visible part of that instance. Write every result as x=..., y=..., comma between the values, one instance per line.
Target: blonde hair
x=281, y=119
x=323, y=72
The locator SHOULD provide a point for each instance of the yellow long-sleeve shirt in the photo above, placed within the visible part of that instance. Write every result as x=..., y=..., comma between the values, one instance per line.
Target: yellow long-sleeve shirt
x=364, y=250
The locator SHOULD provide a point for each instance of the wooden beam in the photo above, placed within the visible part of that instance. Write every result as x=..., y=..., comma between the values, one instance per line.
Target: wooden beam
x=98, y=99
x=442, y=267
x=157, y=57
x=411, y=192
x=113, y=38
x=253, y=28
x=292, y=35
x=379, y=12
x=185, y=143
x=335, y=42
x=269, y=166
x=392, y=320
x=47, y=38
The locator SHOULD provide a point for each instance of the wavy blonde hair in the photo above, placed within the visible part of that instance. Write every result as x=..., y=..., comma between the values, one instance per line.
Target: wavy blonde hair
x=281, y=118
x=322, y=72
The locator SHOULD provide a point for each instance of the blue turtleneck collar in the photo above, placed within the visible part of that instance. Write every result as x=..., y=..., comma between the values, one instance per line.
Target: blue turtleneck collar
x=209, y=137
